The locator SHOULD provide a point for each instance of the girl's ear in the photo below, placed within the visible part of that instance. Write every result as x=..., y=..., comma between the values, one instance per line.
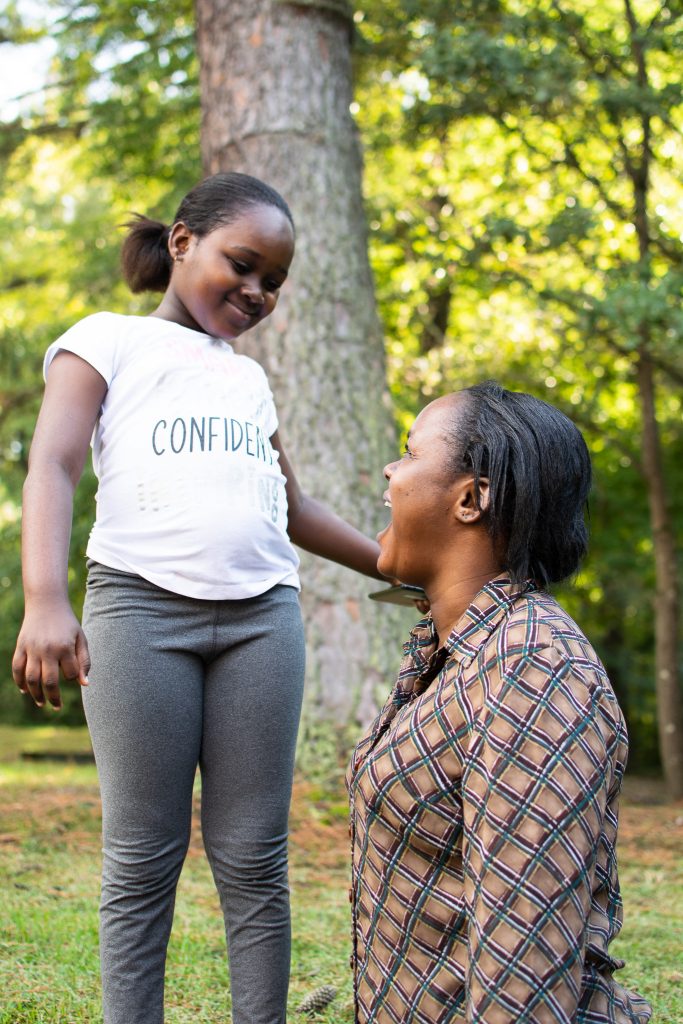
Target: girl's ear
x=179, y=240
x=466, y=508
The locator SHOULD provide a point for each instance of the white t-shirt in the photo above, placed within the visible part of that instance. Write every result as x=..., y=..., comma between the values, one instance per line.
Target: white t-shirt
x=191, y=496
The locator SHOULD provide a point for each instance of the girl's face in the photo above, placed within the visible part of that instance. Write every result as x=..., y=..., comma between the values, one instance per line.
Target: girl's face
x=229, y=280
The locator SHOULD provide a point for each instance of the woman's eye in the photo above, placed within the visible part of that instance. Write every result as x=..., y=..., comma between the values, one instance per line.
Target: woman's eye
x=407, y=451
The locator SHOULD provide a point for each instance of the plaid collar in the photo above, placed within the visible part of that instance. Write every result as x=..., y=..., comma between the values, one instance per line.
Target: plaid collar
x=423, y=659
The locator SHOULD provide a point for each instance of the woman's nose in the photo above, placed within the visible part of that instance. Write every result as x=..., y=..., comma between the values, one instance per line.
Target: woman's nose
x=389, y=469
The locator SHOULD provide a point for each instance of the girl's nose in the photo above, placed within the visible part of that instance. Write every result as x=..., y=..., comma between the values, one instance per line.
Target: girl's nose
x=389, y=469
x=253, y=290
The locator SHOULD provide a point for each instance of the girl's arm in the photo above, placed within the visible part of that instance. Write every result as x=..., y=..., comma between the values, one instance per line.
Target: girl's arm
x=315, y=528
x=51, y=637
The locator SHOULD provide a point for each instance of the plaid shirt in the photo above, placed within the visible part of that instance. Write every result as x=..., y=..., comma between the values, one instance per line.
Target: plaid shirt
x=484, y=821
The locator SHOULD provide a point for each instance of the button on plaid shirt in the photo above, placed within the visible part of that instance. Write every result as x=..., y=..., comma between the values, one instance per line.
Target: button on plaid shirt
x=484, y=821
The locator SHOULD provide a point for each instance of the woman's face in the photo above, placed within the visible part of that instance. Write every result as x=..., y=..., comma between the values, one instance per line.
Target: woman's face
x=420, y=496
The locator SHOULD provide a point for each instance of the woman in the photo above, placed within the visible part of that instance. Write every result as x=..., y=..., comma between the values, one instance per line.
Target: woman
x=484, y=795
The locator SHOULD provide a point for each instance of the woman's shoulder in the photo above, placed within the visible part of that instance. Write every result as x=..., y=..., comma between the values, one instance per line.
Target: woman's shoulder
x=538, y=630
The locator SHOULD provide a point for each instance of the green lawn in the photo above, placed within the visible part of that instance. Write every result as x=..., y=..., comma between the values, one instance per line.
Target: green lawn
x=49, y=863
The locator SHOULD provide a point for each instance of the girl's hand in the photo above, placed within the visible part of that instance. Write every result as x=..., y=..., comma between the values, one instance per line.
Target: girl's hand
x=50, y=639
x=422, y=604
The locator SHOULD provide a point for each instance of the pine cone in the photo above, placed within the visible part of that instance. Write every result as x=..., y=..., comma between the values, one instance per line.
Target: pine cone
x=317, y=1000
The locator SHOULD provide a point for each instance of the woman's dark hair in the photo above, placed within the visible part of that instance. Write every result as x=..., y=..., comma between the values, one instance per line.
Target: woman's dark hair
x=539, y=473
x=217, y=200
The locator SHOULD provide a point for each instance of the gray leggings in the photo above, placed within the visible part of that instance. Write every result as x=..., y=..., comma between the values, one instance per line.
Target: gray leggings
x=175, y=683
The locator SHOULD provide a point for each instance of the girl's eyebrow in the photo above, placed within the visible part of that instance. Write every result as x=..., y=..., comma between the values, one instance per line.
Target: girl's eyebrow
x=257, y=256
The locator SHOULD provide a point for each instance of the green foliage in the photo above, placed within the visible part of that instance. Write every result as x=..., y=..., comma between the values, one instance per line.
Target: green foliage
x=121, y=133
x=517, y=231
x=130, y=79
x=523, y=183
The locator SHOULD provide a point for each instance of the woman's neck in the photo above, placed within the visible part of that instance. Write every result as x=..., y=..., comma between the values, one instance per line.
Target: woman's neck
x=450, y=600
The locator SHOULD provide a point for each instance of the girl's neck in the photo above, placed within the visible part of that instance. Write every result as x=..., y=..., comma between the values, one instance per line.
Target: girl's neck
x=170, y=310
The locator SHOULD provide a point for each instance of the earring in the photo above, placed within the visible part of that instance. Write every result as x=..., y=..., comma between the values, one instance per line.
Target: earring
x=177, y=258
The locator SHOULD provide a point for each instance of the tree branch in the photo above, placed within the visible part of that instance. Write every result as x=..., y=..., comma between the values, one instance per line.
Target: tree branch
x=585, y=52
x=572, y=160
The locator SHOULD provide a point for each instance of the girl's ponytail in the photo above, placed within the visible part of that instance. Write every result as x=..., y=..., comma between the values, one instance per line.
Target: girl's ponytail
x=145, y=258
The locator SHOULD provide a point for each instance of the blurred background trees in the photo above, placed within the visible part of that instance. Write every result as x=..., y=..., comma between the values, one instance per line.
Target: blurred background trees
x=544, y=224
x=523, y=170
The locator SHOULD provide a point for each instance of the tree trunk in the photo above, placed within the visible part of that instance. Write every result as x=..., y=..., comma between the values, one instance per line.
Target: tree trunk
x=667, y=601
x=667, y=598
x=276, y=87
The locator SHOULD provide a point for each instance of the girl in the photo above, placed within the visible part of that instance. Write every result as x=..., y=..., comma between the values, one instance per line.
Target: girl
x=194, y=651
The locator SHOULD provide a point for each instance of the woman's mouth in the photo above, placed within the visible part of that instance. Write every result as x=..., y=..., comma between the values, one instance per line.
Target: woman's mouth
x=387, y=504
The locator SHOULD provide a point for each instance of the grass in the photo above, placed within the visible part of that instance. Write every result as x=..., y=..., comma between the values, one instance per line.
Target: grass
x=43, y=740
x=49, y=863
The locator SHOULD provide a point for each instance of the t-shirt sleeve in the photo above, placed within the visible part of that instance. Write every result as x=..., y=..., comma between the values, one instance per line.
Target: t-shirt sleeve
x=94, y=339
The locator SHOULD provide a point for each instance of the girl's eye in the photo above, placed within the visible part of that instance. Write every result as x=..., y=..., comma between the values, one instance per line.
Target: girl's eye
x=240, y=268
x=272, y=286
x=406, y=451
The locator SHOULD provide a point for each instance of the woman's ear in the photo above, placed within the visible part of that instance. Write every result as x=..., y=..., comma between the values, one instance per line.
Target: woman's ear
x=467, y=510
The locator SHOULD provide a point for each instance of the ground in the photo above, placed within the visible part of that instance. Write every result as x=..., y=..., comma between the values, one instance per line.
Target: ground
x=49, y=863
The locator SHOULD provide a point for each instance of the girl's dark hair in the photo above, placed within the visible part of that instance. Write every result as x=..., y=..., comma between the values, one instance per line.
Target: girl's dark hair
x=217, y=200
x=539, y=474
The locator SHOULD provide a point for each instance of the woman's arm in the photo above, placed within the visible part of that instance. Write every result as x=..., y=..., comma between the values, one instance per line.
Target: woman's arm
x=534, y=800
x=315, y=528
x=51, y=637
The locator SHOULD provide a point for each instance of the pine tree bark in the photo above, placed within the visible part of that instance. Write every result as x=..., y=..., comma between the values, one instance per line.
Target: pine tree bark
x=276, y=88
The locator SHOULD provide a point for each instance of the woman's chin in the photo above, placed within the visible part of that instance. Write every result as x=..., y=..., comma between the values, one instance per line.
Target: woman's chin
x=385, y=566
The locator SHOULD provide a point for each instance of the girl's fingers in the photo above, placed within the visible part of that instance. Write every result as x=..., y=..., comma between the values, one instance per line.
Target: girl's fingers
x=33, y=678
x=19, y=670
x=69, y=664
x=39, y=676
x=50, y=680
x=83, y=657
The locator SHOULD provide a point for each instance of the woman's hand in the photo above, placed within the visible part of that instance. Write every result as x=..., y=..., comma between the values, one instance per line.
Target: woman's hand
x=50, y=640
